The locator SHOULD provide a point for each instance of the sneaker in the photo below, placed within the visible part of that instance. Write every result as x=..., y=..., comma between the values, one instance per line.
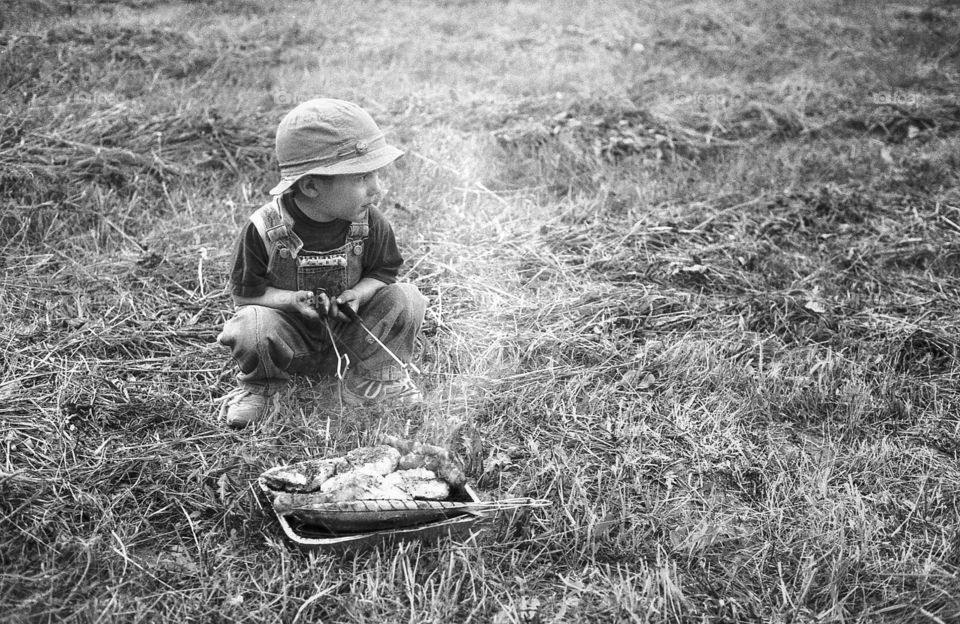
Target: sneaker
x=243, y=407
x=359, y=391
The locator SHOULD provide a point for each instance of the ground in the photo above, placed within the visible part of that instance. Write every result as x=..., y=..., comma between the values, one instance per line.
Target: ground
x=693, y=272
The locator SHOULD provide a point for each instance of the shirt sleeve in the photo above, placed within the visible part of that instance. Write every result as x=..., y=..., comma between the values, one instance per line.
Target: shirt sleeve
x=381, y=256
x=249, y=275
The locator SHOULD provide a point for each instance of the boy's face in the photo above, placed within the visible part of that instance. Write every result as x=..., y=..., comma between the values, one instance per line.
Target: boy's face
x=339, y=197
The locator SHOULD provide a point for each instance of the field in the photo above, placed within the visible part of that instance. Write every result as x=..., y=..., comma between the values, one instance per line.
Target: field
x=693, y=271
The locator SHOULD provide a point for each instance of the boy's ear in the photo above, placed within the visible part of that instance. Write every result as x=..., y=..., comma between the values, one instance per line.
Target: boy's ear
x=307, y=186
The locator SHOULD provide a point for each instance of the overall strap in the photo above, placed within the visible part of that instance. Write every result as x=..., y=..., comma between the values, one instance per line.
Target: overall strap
x=275, y=226
x=357, y=234
x=360, y=228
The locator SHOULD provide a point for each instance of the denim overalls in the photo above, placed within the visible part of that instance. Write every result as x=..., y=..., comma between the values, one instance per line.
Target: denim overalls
x=270, y=344
x=292, y=268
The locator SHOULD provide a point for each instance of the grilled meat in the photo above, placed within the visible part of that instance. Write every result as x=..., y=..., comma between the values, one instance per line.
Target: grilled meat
x=379, y=460
x=419, y=483
x=446, y=468
x=305, y=476
x=360, y=485
x=399, y=470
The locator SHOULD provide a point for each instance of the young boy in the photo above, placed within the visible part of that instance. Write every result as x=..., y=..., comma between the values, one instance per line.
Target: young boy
x=319, y=246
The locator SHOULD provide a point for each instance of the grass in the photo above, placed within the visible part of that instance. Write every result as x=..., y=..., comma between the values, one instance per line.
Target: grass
x=692, y=271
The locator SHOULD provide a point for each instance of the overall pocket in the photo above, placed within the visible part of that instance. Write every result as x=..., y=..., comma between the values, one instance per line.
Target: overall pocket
x=327, y=272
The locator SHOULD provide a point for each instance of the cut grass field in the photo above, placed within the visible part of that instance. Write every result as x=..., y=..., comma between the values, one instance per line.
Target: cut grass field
x=693, y=272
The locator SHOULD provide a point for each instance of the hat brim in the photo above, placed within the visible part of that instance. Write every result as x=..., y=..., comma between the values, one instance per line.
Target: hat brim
x=371, y=161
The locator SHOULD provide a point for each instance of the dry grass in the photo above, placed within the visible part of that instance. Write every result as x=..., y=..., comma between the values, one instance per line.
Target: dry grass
x=692, y=271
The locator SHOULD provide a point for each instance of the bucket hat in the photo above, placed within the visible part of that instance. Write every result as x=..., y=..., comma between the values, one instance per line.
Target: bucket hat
x=325, y=136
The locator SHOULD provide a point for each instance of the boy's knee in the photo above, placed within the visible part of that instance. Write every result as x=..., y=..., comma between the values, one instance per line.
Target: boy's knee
x=250, y=326
x=405, y=300
x=240, y=327
x=255, y=333
x=415, y=301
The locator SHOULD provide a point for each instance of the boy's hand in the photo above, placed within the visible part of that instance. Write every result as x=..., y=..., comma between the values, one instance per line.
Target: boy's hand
x=347, y=298
x=303, y=303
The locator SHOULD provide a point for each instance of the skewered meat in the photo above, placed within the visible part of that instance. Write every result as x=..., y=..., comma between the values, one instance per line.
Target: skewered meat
x=412, y=446
x=305, y=476
x=451, y=473
x=419, y=483
x=379, y=460
x=404, y=446
x=283, y=502
x=345, y=487
x=446, y=468
x=399, y=470
x=434, y=458
x=412, y=461
x=360, y=485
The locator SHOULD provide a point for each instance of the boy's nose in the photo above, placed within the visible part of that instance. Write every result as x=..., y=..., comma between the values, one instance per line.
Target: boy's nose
x=373, y=185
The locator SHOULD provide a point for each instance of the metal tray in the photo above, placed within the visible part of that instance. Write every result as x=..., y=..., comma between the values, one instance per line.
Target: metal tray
x=319, y=538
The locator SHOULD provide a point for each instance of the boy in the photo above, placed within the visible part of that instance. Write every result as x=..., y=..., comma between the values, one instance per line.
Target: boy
x=321, y=245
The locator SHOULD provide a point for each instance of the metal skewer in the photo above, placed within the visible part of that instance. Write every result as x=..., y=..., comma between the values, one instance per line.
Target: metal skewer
x=353, y=316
